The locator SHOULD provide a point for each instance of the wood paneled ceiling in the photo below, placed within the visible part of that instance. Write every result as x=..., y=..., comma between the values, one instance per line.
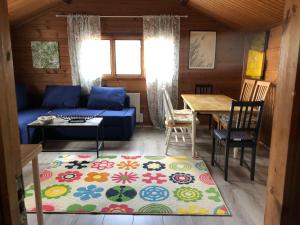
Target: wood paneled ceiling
x=19, y=10
x=243, y=14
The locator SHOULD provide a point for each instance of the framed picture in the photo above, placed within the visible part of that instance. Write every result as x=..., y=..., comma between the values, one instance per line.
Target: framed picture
x=256, y=55
x=202, y=51
x=45, y=54
x=255, y=64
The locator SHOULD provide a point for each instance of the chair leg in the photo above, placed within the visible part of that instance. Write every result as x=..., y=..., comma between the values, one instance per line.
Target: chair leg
x=213, y=151
x=242, y=156
x=168, y=140
x=226, y=162
x=253, y=159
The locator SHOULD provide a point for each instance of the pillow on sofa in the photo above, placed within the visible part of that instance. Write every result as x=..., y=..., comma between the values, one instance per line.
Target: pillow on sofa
x=21, y=95
x=107, y=98
x=60, y=96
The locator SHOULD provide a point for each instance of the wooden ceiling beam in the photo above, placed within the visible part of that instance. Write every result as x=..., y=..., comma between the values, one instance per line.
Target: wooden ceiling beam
x=67, y=1
x=184, y=2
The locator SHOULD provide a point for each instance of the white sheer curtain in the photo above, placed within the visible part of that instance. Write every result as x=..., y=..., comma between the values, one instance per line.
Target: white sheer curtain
x=161, y=61
x=84, y=34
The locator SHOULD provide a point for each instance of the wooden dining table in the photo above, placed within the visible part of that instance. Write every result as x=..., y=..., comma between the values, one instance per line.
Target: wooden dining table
x=205, y=104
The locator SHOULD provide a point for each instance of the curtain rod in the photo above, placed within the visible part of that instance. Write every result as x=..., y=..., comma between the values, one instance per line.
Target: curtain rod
x=181, y=16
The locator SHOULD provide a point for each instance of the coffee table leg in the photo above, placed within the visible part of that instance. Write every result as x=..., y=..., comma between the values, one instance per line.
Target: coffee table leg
x=37, y=191
x=97, y=141
x=28, y=135
x=194, y=134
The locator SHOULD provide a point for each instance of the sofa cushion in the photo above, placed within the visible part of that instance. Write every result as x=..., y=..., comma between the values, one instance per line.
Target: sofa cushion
x=25, y=117
x=60, y=96
x=109, y=98
x=21, y=95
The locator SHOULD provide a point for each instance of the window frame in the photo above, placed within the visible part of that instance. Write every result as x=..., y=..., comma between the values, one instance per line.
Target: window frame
x=113, y=59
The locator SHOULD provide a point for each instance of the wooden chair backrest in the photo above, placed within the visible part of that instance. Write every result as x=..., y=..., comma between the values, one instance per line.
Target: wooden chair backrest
x=248, y=117
x=247, y=90
x=169, y=110
x=203, y=89
x=260, y=91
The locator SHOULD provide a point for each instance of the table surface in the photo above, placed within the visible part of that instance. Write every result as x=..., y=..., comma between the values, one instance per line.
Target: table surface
x=208, y=103
x=58, y=122
x=28, y=152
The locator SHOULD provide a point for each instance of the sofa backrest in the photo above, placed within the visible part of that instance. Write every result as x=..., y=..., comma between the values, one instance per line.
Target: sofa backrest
x=84, y=100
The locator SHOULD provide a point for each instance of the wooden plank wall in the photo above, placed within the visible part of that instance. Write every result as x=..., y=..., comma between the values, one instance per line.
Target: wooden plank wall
x=271, y=74
x=226, y=77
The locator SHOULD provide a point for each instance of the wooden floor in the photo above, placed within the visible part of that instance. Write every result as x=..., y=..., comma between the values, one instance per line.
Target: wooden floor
x=244, y=198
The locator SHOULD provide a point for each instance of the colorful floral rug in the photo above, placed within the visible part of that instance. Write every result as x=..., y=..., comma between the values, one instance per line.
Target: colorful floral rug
x=128, y=185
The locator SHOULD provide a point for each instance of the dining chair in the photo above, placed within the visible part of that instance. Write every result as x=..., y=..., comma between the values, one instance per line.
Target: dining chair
x=205, y=89
x=247, y=89
x=246, y=95
x=260, y=91
x=242, y=133
x=177, y=124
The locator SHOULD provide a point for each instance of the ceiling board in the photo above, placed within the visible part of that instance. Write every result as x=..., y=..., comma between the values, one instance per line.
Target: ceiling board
x=243, y=14
x=19, y=10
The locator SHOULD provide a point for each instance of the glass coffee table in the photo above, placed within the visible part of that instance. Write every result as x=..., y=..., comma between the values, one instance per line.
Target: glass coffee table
x=96, y=123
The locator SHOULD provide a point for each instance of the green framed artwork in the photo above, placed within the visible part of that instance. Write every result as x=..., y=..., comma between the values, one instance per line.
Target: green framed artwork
x=45, y=54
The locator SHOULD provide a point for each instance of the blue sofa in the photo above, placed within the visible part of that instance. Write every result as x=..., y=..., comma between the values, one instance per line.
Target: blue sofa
x=118, y=124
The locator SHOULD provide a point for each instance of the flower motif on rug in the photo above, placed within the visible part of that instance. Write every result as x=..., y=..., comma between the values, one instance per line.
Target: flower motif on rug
x=128, y=165
x=180, y=166
x=46, y=208
x=84, y=156
x=154, y=157
x=86, y=193
x=107, y=157
x=155, y=209
x=77, y=208
x=131, y=157
x=154, y=166
x=29, y=191
x=154, y=178
x=124, y=177
x=56, y=191
x=103, y=164
x=68, y=176
x=188, y=194
x=121, y=193
x=64, y=156
x=193, y=209
x=77, y=164
x=221, y=211
x=206, y=179
x=98, y=177
x=45, y=175
x=55, y=164
x=215, y=194
x=114, y=208
x=182, y=178
x=154, y=193
x=201, y=166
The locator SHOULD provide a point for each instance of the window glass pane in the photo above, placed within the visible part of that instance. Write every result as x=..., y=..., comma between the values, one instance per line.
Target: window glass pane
x=128, y=57
x=105, y=62
x=95, y=57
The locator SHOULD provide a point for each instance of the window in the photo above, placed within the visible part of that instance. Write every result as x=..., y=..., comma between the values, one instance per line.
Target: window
x=95, y=57
x=128, y=57
x=105, y=59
